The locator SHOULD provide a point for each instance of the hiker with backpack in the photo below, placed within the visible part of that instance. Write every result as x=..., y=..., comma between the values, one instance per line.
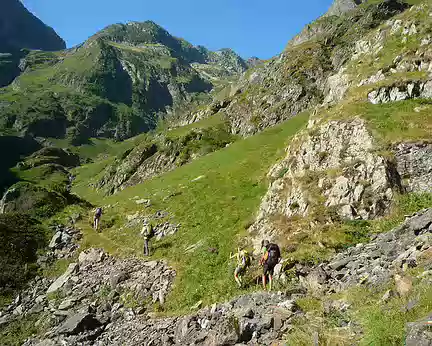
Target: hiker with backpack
x=147, y=233
x=270, y=258
x=243, y=262
x=97, y=217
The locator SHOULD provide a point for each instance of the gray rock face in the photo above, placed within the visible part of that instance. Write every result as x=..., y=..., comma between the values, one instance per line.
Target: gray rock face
x=79, y=323
x=419, y=333
x=55, y=240
x=414, y=164
x=340, y=7
x=165, y=229
x=375, y=263
x=268, y=97
x=119, y=173
x=337, y=85
x=412, y=90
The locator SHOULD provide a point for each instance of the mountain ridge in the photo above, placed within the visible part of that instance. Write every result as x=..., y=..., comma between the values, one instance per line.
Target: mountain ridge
x=137, y=72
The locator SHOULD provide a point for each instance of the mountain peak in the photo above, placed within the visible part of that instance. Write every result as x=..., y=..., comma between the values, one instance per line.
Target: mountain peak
x=19, y=28
x=339, y=7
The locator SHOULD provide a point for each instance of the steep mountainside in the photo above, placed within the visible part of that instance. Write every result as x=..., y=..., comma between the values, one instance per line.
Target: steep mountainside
x=304, y=76
x=296, y=80
x=19, y=29
x=119, y=83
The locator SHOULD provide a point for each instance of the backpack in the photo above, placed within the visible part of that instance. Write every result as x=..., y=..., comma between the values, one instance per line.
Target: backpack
x=244, y=255
x=98, y=212
x=147, y=231
x=247, y=259
x=273, y=253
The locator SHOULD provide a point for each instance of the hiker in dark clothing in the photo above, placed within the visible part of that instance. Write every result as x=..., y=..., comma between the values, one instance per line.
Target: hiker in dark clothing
x=147, y=232
x=270, y=258
x=97, y=217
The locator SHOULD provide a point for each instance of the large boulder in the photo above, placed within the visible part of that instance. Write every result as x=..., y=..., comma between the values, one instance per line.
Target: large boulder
x=91, y=256
x=79, y=323
x=61, y=281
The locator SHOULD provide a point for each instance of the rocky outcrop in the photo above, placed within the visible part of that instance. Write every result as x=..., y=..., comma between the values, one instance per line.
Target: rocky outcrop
x=412, y=90
x=374, y=264
x=121, y=171
x=219, y=64
x=340, y=7
x=255, y=319
x=63, y=279
x=414, y=164
x=278, y=90
x=52, y=155
x=65, y=240
x=164, y=154
x=337, y=85
x=332, y=165
x=96, y=292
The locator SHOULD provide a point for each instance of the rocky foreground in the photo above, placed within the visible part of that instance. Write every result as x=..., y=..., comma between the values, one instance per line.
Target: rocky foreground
x=102, y=300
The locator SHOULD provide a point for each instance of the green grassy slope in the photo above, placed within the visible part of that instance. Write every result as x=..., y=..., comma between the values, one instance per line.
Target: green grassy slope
x=213, y=212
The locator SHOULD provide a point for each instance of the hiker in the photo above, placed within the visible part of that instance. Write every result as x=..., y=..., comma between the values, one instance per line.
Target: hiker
x=97, y=217
x=147, y=232
x=271, y=256
x=243, y=262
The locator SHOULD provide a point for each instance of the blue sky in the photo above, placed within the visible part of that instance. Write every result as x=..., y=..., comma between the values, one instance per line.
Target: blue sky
x=250, y=27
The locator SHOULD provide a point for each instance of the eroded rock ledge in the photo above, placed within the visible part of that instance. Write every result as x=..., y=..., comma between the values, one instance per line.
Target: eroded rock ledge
x=338, y=169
